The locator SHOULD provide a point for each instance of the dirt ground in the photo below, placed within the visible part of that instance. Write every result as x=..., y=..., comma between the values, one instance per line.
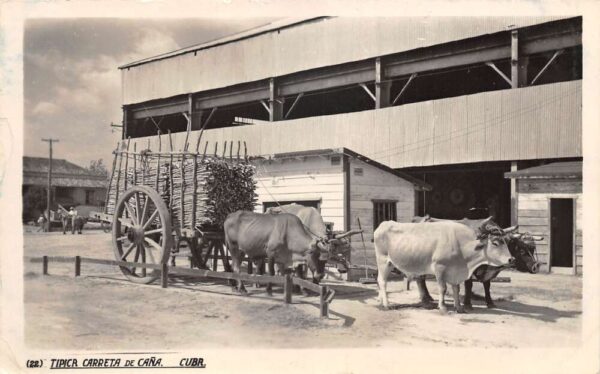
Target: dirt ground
x=102, y=310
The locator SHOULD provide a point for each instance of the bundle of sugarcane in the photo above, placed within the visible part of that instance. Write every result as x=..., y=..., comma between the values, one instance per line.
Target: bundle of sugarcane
x=230, y=187
x=198, y=190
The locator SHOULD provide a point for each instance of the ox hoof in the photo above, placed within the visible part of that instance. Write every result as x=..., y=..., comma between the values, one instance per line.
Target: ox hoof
x=427, y=305
x=491, y=305
x=468, y=307
x=443, y=311
x=460, y=310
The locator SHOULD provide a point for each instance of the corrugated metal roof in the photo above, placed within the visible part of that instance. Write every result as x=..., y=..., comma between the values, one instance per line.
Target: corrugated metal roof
x=255, y=31
x=275, y=51
x=569, y=170
x=64, y=173
x=345, y=151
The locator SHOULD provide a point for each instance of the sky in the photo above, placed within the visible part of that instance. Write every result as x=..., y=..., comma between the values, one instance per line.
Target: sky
x=72, y=83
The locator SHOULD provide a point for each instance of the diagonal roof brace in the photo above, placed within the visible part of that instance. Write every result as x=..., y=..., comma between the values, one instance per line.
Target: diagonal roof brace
x=554, y=56
x=412, y=76
x=364, y=86
x=264, y=104
x=491, y=64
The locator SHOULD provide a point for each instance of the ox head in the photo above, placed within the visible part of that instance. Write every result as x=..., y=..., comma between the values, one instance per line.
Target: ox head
x=335, y=250
x=493, y=240
x=522, y=248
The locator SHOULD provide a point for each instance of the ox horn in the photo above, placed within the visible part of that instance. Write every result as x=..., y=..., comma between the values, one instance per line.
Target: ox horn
x=486, y=221
x=349, y=233
x=508, y=230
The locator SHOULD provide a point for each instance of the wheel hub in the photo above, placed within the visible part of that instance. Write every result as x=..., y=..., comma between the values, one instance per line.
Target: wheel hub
x=136, y=234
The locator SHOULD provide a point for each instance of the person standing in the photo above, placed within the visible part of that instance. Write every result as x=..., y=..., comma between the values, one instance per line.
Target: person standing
x=73, y=217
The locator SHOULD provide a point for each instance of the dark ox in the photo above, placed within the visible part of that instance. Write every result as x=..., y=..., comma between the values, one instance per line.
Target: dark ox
x=521, y=247
x=277, y=237
x=448, y=250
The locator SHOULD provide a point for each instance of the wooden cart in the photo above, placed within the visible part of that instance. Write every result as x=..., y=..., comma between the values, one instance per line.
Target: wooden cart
x=156, y=207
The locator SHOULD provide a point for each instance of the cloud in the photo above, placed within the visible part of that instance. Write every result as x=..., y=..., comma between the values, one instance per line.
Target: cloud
x=73, y=84
x=45, y=108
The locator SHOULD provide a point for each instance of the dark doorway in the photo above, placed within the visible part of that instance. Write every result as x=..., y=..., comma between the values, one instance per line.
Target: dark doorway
x=313, y=203
x=561, y=232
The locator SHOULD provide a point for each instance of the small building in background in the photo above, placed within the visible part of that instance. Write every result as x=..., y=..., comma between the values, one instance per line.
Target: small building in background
x=550, y=204
x=343, y=185
x=72, y=185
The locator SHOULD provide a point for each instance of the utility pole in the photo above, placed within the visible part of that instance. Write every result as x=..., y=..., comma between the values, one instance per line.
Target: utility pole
x=49, y=195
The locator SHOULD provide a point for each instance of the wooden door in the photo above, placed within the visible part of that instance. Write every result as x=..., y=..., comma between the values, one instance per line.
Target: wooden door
x=561, y=233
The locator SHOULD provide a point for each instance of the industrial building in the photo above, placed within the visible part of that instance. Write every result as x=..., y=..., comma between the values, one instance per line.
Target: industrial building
x=454, y=102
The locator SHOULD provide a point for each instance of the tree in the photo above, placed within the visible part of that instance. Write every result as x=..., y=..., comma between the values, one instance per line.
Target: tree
x=34, y=202
x=97, y=167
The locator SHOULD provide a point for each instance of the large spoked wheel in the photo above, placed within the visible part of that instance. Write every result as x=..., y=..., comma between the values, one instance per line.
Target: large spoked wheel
x=142, y=232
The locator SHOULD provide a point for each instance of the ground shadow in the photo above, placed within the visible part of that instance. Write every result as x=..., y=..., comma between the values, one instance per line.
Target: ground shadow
x=540, y=313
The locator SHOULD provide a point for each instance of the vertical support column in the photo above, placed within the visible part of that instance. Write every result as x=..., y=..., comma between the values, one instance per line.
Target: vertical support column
x=518, y=63
x=125, y=131
x=382, y=88
x=195, y=115
x=514, y=198
x=514, y=59
x=275, y=102
x=347, y=209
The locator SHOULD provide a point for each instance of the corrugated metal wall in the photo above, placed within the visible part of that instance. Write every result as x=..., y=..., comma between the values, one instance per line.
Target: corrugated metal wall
x=306, y=46
x=518, y=124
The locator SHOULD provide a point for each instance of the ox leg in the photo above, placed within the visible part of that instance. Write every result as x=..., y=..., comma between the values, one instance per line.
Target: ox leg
x=439, y=275
x=384, y=268
x=468, y=293
x=424, y=295
x=236, y=260
x=456, y=295
x=272, y=273
x=488, y=295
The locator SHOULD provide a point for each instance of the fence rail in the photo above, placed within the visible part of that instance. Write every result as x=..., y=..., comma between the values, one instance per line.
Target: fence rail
x=326, y=294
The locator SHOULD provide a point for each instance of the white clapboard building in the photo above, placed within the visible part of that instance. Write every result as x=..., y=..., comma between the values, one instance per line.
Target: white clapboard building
x=343, y=185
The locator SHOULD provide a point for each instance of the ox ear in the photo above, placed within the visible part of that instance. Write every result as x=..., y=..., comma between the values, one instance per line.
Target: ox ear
x=480, y=245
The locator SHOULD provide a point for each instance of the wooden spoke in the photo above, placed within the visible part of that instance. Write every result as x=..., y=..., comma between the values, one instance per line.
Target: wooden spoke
x=131, y=215
x=144, y=211
x=120, y=239
x=136, y=258
x=127, y=252
x=150, y=220
x=143, y=252
x=137, y=207
x=154, y=231
x=126, y=222
x=153, y=243
x=150, y=254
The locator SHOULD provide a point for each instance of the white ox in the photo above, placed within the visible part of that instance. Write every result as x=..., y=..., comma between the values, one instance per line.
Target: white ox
x=448, y=250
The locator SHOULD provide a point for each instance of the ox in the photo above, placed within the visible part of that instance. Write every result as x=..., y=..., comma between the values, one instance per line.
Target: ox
x=276, y=237
x=521, y=247
x=312, y=220
x=448, y=250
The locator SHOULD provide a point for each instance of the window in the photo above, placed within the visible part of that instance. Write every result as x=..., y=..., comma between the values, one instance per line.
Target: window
x=383, y=210
x=358, y=172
